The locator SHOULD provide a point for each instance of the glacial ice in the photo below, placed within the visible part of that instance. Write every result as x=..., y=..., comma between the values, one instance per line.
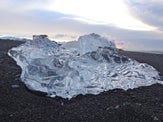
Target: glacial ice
x=88, y=66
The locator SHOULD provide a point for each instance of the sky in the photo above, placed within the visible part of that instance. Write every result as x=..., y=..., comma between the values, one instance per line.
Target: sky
x=131, y=24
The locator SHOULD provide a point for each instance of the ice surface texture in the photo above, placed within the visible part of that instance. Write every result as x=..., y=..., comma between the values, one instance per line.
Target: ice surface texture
x=88, y=66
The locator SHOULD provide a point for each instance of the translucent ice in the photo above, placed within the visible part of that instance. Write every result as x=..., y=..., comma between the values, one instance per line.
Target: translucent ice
x=88, y=66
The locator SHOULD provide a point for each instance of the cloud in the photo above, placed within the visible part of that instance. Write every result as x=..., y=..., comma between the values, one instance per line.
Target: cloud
x=59, y=27
x=59, y=35
x=32, y=21
x=149, y=11
x=108, y=12
x=63, y=26
x=23, y=5
x=64, y=37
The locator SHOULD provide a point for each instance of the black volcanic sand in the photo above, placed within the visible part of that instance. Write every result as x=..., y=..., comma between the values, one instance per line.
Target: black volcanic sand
x=17, y=104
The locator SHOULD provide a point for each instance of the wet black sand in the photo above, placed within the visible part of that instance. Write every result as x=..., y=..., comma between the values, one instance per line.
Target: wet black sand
x=17, y=104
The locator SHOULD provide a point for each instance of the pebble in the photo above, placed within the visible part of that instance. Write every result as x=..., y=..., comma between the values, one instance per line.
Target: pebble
x=62, y=104
x=11, y=115
x=117, y=106
x=15, y=86
x=155, y=118
x=138, y=104
x=126, y=103
x=109, y=108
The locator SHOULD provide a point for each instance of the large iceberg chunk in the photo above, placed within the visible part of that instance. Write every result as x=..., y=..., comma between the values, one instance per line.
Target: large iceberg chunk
x=88, y=66
x=88, y=43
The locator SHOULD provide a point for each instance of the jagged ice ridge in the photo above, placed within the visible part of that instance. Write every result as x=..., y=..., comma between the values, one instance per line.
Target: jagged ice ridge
x=88, y=66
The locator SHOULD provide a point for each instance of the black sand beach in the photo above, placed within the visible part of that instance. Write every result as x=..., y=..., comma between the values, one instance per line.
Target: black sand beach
x=18, y=104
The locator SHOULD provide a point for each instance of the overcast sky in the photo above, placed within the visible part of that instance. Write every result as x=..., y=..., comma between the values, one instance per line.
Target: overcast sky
x=133, y=24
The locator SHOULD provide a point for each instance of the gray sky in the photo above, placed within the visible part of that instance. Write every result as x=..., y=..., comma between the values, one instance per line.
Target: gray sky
x=132, y=24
